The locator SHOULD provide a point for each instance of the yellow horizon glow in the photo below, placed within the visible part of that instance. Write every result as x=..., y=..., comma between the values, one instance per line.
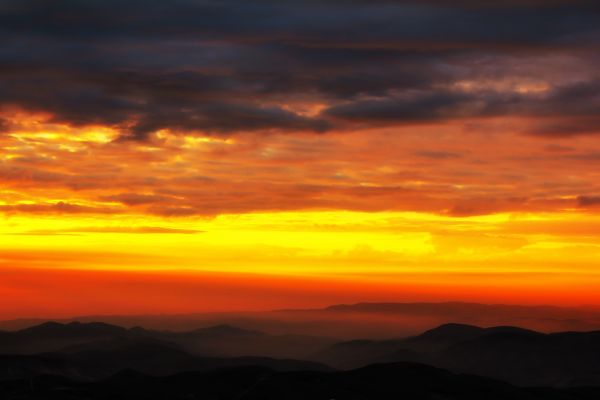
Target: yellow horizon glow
x=320, y=242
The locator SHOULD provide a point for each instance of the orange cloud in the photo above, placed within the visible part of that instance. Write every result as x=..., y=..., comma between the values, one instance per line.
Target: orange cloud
x=390, y=213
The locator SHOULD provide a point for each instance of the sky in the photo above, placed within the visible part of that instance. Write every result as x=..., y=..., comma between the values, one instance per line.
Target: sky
x=199, y=155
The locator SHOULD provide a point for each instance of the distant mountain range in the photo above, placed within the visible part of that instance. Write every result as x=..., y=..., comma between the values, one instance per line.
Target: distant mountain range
x=363, y=320
x=216, y=341
x=93, y=351
x=97, y=351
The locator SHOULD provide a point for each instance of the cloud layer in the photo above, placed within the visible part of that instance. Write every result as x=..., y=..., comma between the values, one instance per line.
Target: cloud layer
x=224, y=67
x=199, y=108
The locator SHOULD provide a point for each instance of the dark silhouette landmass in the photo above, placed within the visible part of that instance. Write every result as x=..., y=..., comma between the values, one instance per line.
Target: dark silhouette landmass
x=512, y=354
x=92, y=351
x=365, y=320
x=384, y=381
x=97, y=351
x=216, y=341
x=453, y=361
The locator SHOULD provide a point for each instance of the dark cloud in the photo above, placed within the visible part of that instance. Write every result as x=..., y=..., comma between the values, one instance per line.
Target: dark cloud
x=409, y=107
x=225, y=66
x=25, y=176
x=593, y=156
x=561, y=128
x=578, y=103
x=485, y=206
x=438, y=155
x=55, y=208
x=141, y=103
x=588, y=201
x=224, y=117
x=136, y=199
x=292, y=20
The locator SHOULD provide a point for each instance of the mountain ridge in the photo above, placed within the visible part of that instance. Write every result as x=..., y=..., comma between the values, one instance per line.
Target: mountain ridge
x=347, y=321
x=395, y=380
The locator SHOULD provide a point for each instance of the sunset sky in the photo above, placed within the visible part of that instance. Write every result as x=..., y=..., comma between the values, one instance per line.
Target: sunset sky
x=199, y=155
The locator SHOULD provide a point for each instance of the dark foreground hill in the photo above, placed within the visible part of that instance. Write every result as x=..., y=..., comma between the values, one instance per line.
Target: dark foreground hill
x=384, y=381
x=108, y=358
x=511, y=354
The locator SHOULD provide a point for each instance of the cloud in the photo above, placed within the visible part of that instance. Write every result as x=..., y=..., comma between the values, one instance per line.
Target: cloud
x=437, y=155
x=223, y=118
x=113, y=229
x=233, y=66
x=55, y=208
x=406, y=108
x=4, y=126
x=571, y=109
x=434, y=106
x=135, y=199
x=588, y=201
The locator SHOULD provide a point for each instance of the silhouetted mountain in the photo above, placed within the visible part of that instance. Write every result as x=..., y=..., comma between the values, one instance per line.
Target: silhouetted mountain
x=358, y=353
x=96, y=350
x=216, y=341
x=52, y=336
x=446, y=335
x=511, y=354
x=363, y=320
x=225, y=330
x=449, y=333
x=228, y=341
x=26, y=366
x=529, y=358
x=73, y=329
x=98, y=360
x=384, y=381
